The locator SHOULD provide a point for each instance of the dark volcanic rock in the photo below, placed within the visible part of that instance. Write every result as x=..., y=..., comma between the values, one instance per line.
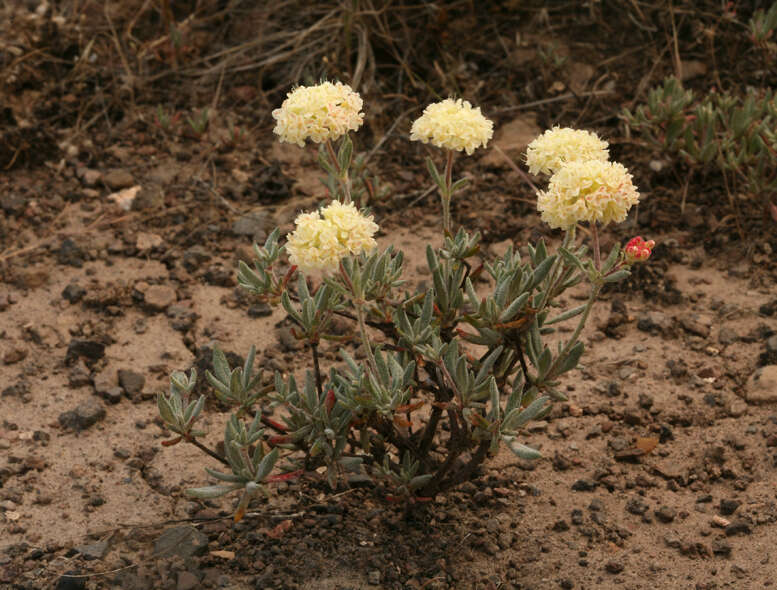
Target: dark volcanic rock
x=73, y=293
x=88, y=349
x=86, y=414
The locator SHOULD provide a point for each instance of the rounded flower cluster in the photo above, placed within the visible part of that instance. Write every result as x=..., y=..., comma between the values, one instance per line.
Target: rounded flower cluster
x=321, y=239
x=453, y=125
x=587, y=191
x=323, y=112
x=560, y=145
x=638, y=250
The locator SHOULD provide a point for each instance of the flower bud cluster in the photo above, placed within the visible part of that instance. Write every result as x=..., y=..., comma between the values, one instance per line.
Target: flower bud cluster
x=638, y=250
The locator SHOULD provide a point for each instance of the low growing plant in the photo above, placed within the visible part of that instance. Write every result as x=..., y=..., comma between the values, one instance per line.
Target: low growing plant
x=734, y=135
x=448, y=374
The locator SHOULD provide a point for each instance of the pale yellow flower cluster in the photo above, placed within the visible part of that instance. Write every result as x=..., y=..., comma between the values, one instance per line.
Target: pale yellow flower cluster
x=560, y=145
x=593, y=191
x=320, y=113
x=453, y=125
x=321, y=239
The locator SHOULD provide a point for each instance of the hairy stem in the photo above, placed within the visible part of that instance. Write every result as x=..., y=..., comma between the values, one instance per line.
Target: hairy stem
x=206, y=450
x=595, y=289
x=365, y=337
x=317, y=369
x=342, y=175
x=446, y=196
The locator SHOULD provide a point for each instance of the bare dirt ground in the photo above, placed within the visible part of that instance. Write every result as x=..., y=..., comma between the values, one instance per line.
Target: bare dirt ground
x=98, y=304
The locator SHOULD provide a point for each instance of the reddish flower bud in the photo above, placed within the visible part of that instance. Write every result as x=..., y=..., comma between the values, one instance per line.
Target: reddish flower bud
x=638, y=250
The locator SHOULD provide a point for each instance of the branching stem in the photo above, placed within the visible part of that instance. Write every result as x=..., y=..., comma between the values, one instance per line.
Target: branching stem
x=206, y=450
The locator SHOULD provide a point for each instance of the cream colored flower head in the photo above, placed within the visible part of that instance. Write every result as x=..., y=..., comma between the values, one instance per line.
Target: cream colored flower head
x=321, y=239
x=453, y=125
x=561, y=145
x=320, y=113
x=587, y=191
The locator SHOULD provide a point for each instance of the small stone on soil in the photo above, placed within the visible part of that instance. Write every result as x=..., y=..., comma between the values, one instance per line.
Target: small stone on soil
x=93, y=550
x=260, y=310
x=112, y=395
x=73, y=293
x=584, y=485
x=159, y=297
x=740, y=526
x=762, y=386
x=88, y=349
x=614, y=567
x=86, y=414
x=70, y=254
x=131, y=381
x=252, y=224
x=118, y=179
x=636, y=506
x=666, y=514
x=14, y=355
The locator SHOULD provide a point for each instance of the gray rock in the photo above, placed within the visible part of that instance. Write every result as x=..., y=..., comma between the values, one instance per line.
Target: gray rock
x=86, y=414
x=118, y=178
x=113, y=395
x=761, y=388
x=655, y=321
x=104, y=381
x=253, y=223
x=697, y=324
x=94, y=550
x=131, y=381
x=740, y=526
x=73, y=293
x=184, y=541
x=666, y=514
x=636, y=506
x=584, y=485
x=260, y=310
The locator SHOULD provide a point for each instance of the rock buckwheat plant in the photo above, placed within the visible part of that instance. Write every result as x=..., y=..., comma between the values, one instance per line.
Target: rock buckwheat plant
x=449, y=374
